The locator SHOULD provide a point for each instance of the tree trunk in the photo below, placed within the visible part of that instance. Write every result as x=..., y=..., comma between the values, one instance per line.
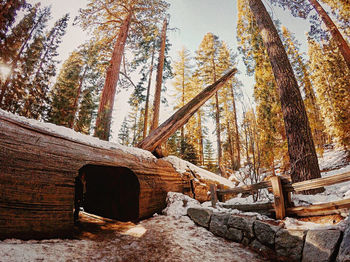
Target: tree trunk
x=218, y=134
x=159, y=79
x=145, y=124
x=339, y=39
x=217, y=121
x=180, y=117
x=37, y=172
x=231, y=147
x=182, y=132
x=104, y=115
x=302, y=153
x=76, y=99
x=238, y=148
x=201, y=151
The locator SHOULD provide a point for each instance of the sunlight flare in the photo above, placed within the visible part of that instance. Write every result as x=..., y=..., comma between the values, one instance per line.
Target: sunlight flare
x=5, y=71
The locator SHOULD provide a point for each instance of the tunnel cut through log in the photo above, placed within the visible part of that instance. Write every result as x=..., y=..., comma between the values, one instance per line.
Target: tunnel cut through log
x=111, y=192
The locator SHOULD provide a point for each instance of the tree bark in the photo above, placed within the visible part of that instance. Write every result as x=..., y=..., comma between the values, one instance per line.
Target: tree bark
x=179, y=118
x=301, y=149
x=238, y=148
x=76, y=99
x=159, y=79
x=145, y=124
x=217, y=121
x=201, y=151
x=37, y=171
x=339, y=39
x=104, y=115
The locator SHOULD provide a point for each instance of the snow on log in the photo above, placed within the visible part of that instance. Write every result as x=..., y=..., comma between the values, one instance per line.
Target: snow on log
x=38, y=165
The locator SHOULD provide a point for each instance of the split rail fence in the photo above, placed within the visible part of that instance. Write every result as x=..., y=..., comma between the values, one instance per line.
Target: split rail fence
x=282, y=189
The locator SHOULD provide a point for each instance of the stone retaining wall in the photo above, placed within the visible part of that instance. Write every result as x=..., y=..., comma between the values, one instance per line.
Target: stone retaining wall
x=274, y=241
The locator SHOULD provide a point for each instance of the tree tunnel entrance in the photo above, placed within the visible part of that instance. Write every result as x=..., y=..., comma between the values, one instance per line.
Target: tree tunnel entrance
x=111, y=192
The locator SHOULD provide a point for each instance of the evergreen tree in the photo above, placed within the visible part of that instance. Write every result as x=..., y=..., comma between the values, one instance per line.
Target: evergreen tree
x=207, y=61
x=209, y=161
x=124, y=133
x=74, y=96
x=182, y=74
x=65, y=90
x=35, y=104
x=331, y=80
x=303, y=8
x=8, y=12
x=302, y=153
x=15, y=50
x=120, y=17
x=272, y=138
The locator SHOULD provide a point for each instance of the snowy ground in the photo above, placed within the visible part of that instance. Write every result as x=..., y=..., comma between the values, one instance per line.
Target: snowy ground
x=161, y=238
x=332, y=163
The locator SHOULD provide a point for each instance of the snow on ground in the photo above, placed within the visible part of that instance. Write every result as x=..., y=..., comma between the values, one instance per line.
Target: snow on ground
x=335, y=161
x=183, y=166
x=177, y=204
x=78, y=137
x=331, y=160
x=332, y=193
x=160, y=238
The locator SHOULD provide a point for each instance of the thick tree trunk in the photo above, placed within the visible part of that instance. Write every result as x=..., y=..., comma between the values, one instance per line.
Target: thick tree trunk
x=159, y=79
x=104, y=115
x=179, y=118
x=302, y=153
x=38, y=168
x=339, y=39
x=145, y=124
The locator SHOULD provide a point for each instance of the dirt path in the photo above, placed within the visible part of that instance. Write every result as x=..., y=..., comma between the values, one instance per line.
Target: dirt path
x=161, y=238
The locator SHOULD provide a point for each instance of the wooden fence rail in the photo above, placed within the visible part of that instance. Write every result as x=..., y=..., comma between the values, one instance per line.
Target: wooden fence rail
x=281, y=189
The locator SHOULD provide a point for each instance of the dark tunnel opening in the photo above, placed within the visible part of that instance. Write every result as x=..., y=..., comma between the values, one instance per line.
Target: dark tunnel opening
x=111, y=192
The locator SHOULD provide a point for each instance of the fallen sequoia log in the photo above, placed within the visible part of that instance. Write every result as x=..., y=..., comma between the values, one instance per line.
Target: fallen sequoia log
x=38, y=165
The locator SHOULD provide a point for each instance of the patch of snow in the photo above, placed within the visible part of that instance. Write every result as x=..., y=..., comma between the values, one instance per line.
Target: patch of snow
x=292, y=223
x=183, y=166
x=177, y=204
x=332, y=193
x=161, y=238
x=332, y=159
x=70, y=134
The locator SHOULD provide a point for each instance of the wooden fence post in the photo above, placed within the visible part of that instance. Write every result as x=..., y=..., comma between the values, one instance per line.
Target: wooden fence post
x=213, y=195
x=278, y=196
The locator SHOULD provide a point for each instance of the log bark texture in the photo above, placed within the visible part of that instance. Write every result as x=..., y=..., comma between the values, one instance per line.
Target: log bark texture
x=180, y=117
x=37, y=171
x=301, y=149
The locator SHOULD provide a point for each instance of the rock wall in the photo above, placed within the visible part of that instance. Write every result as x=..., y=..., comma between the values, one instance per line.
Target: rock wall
x=272, y=240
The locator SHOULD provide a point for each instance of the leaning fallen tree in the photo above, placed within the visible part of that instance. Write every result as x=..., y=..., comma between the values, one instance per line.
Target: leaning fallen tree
x=38, y=164
x=159, y=135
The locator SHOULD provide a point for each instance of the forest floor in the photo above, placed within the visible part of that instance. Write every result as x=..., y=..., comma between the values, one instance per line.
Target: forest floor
x=160, y=238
